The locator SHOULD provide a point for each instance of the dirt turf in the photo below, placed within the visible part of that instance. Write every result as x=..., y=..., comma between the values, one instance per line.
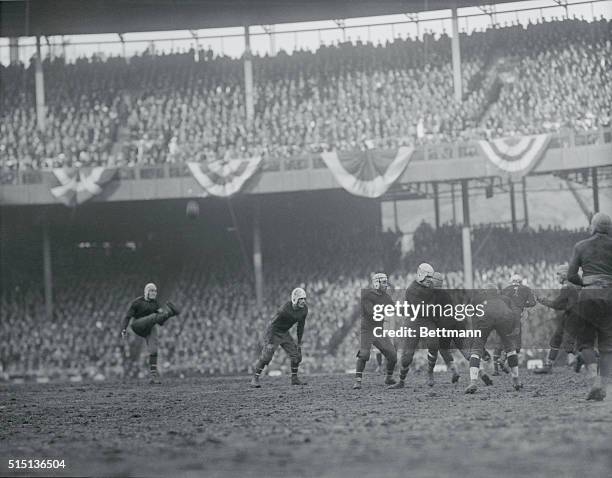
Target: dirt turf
x=218, y=427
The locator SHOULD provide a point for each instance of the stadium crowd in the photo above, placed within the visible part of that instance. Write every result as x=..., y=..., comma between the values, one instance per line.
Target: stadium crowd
x=157, y=108
x=220, y=328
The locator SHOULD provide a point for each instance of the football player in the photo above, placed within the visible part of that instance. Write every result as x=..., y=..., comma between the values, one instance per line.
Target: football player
x=563, y=304
x=377, y=295
x=419, y=291
x=521, y=297
x=594, y=306
x=277, y=333
x=142, y=319
x=444, y=343
x=499, y=316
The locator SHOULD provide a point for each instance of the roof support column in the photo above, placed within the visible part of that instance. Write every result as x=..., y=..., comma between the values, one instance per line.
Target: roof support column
x=39, y=84
x=248, y=78
x=466, y=239
x=456, y=56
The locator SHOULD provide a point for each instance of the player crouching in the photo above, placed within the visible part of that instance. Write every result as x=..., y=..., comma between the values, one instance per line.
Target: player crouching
x=143, y=317
x=370, y=298
x=277, y=333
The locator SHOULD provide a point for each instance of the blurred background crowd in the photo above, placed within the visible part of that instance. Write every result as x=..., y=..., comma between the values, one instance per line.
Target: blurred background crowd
x=220, y=328
x=158, y=108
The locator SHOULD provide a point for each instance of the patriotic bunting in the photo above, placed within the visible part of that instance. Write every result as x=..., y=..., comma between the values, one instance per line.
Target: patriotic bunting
x=224, y=178
x=72, y=186
x=515, y=156
x=368, y=173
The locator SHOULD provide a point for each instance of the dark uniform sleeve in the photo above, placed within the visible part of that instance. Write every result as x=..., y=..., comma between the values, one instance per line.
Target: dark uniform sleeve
x=561, y=302
x=368, y=305
x=130, y=313
x=574, y=265
x=300, y=329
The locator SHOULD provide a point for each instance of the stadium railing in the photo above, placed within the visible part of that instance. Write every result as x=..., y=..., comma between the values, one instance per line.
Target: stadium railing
x=427, y=152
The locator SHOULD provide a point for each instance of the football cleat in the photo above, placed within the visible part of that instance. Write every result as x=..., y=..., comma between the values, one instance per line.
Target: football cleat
x=357, y=385
x=389, y=380
x=516, y=384
x=398, y=385
x=471, y=389
x=174, y=310
x=154, y=379
x=296, y=381
x=596, y=394
x=486, y=379
x=255, y=382
x=547, y=368
x=430, y=379
x=503, y=367
x=455, y=378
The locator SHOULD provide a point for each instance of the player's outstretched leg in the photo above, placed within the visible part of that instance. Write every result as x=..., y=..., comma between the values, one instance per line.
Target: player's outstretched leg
x=267, y=352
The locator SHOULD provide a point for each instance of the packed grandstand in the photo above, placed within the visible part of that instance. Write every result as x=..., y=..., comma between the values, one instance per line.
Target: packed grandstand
x=546, y=76
x=221, y=326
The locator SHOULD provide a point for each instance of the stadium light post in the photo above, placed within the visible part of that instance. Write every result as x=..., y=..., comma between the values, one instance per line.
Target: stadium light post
x=466, y=239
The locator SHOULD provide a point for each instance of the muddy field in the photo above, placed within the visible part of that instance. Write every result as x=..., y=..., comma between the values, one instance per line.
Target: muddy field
x=219, y=427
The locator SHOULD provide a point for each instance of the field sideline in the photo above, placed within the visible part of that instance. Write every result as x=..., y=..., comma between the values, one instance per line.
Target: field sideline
x=219, y=427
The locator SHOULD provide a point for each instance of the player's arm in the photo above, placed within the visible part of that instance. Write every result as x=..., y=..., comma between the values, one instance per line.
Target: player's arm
x=530, y=300
x=126, y=320
x=300, y=331
x=368, y=306
x=574, y=265
x=558, y=303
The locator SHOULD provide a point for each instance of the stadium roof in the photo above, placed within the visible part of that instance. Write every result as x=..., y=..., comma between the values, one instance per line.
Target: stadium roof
x=71, y=17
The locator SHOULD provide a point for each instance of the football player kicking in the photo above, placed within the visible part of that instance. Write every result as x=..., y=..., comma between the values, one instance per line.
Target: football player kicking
x=369, y=298
x=499, y=316
x=142, y=318
x=563, y=304
x=444, y=344
x=277, y=333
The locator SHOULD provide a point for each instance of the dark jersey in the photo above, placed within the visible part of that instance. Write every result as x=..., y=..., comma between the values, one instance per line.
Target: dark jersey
x=370, y=298
x=286, y=317
x=415, y=293
x=140, y=307
x=496, y=306
x=594, y=255
x=521, y=297
x=567, y=298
